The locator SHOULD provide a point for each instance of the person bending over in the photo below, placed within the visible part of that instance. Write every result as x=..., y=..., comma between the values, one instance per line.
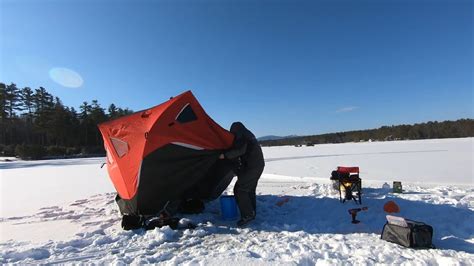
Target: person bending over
x=246, y=149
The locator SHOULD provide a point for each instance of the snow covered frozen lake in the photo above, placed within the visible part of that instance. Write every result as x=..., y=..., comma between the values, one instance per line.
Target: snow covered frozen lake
x=61, y=211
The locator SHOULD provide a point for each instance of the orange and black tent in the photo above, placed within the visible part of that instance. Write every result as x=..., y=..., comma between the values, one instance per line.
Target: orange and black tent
x=166, y=153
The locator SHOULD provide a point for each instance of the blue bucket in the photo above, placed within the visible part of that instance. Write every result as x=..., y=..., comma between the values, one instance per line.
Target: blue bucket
x=229, y=209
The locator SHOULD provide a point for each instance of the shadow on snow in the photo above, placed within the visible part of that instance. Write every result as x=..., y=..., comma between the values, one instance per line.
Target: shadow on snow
x=452, y=225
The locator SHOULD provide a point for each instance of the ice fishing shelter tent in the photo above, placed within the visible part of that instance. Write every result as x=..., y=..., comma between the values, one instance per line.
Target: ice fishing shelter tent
x=166, y=153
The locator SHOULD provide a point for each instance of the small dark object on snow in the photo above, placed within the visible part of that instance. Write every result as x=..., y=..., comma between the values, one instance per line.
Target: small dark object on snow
x=353, y=213
x=397, y=187
x=245, y=220
x=191, y=206
x=160, y=222
x=414, y=235
x=131, y=222
x=190, y=226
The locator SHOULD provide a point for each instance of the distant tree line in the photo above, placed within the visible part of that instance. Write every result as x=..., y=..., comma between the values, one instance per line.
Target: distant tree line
x=35, y=124
x=431, y=130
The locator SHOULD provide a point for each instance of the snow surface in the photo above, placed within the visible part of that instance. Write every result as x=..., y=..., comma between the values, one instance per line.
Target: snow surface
x=29, y=185
x=63, y=211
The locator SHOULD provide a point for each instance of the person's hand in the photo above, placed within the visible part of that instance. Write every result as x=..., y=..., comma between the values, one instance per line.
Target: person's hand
x=221, y=156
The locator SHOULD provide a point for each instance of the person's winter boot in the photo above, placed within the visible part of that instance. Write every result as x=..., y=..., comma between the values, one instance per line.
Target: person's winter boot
x=245, y=220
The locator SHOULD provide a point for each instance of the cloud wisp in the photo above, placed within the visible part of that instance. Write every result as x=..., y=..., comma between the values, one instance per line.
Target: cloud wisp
x=347, y=109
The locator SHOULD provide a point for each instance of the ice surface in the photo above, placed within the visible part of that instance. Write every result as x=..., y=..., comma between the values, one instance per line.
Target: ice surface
x=299, y=221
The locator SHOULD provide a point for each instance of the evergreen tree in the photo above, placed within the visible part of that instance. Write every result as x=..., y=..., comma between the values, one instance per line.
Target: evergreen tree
x=112, y=111
x=97, y=112
x=3, y=113
x=86, y=110
x=57, y=124
x=43, y=101
x=74, y=128
x=28, y=100
x=12, y=100
x=123, y=112
x=97, y=116
x=3, y=99
x=37, y=118
x=11, y=104
x=43, y=105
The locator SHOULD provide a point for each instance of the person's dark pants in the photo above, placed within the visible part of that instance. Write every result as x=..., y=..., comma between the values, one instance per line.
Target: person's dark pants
x=245, y=190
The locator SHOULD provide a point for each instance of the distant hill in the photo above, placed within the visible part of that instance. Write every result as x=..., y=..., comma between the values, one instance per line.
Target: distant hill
x=431, y=130
x=272, y=137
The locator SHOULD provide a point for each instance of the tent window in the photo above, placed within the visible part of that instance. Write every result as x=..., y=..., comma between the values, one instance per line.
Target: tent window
x=186, y=115
x=120, y=146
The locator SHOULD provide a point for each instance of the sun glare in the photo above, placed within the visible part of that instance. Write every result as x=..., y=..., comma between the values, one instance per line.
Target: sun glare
x=66, y=77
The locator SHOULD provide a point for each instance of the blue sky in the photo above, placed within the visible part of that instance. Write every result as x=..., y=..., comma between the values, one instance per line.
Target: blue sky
x=281, y=67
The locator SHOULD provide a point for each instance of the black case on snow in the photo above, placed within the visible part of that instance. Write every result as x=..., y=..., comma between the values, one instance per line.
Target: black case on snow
x=416, y=235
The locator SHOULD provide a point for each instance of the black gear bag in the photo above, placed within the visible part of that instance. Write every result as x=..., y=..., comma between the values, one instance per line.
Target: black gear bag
x=413, y=234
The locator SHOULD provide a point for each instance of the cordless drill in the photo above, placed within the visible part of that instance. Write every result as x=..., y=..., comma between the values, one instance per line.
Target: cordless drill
x=353, y=213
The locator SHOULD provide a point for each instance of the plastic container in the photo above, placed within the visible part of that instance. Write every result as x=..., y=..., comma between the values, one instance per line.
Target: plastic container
x=229, y=209
x=397, y=187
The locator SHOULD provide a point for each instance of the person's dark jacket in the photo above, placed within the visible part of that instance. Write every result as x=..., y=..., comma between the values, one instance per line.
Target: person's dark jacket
x=245, y=147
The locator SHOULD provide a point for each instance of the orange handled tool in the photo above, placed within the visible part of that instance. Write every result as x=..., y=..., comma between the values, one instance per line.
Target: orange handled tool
x=353, y=213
